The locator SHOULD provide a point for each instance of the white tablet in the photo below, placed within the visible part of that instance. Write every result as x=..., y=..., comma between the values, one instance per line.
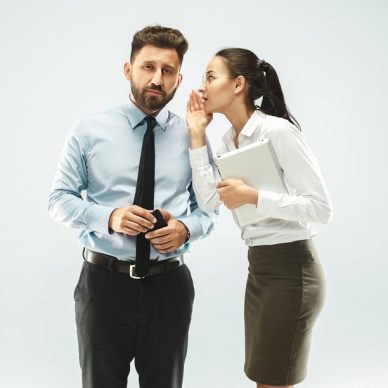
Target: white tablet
x=256, y=165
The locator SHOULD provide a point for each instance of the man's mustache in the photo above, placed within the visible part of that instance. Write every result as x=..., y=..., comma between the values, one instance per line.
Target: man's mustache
x=157, y=88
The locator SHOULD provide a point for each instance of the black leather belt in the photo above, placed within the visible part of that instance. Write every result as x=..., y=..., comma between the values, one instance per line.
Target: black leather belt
x=113, y=264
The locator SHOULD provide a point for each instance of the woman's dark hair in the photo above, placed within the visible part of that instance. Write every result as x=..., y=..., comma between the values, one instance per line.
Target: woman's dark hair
x=262, y=81
x=162, y=37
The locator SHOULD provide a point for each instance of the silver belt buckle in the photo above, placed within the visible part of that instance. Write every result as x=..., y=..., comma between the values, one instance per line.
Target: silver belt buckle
x=131, y=271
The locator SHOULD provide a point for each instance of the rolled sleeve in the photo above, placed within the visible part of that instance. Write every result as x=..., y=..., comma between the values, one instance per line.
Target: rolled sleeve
x=308, y=199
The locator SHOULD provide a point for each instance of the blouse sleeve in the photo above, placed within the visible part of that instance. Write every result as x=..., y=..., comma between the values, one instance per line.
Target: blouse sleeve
x=205, y=178
x=308, y=199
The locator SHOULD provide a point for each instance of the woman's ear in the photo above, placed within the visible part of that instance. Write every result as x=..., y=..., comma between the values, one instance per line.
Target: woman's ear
x=240, y=84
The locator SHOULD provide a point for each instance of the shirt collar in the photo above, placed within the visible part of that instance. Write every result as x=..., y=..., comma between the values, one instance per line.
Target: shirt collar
x=249, y=128
x=136, y=116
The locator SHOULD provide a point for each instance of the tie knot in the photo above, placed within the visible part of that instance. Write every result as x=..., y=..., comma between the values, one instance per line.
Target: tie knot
x=150, y=120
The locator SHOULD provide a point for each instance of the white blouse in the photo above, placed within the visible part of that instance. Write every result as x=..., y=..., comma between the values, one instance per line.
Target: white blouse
x=284, y=217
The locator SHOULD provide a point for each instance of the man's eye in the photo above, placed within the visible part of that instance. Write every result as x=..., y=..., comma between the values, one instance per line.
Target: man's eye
x=148, y=67
x=167, y=71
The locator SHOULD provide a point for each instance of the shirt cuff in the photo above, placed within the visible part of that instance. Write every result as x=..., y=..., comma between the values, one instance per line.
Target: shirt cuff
x=267, y=203
x=98, y=218
x=199, y=157
x=194, y=227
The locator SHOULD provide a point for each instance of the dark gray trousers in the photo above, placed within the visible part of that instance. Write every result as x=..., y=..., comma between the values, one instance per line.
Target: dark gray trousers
x=120, y=319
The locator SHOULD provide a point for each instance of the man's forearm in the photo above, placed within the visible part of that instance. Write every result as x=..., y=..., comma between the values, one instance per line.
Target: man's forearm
x=75, y=212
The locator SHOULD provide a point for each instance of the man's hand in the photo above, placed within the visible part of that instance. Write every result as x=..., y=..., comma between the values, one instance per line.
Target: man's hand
x=131, y=220
x=169, y=238
x=235, y=193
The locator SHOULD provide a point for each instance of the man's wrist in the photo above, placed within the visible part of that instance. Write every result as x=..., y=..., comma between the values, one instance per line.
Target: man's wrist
x=187, y=238
x=110, y=222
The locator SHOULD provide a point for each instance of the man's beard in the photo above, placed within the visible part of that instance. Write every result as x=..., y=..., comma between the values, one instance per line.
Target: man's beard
x=149, y=101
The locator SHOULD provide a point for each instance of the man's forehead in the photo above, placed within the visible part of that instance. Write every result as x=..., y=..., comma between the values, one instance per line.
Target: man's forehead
x=165, y=56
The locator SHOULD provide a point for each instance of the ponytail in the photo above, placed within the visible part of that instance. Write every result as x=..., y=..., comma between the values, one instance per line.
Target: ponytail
x=273, y=102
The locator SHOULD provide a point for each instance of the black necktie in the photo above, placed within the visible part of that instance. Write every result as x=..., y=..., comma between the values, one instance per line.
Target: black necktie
x=144, y=196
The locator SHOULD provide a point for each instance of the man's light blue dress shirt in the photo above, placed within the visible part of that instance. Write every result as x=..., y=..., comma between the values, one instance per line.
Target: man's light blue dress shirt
x=101, y=157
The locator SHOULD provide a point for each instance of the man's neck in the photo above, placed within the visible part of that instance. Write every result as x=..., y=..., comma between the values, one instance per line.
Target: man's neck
x=146, y=111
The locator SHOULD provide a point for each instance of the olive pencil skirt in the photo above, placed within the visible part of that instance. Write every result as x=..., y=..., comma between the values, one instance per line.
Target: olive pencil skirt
x=284, y=295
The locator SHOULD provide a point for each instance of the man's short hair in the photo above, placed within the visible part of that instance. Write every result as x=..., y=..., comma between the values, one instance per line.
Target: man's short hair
x=162, y=37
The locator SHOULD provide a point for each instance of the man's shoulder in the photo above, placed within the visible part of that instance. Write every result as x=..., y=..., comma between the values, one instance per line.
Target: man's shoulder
x=92, y=123
x=107, y=113
x=100, y=118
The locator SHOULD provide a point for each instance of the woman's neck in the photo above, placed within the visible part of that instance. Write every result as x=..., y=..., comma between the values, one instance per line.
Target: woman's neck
x=238, y=115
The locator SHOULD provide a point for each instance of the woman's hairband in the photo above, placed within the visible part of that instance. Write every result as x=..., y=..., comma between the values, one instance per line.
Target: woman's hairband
x=263, y=64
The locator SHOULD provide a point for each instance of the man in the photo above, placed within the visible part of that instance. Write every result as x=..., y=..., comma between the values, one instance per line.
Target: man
x=134, y=296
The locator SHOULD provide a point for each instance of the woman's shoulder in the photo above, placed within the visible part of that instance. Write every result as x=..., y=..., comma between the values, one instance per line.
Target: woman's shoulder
x=274, y=127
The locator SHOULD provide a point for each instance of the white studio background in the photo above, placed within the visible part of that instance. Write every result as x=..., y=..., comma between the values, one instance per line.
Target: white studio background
x=63, y=59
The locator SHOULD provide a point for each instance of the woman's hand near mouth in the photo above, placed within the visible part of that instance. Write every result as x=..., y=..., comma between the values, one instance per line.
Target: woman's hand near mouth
x=197, y=120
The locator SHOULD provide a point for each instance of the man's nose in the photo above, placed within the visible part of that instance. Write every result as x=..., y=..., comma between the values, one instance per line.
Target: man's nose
x=157, y=78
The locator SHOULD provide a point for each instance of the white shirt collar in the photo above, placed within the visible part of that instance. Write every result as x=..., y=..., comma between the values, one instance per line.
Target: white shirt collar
x=250, y=127
x=136, y=115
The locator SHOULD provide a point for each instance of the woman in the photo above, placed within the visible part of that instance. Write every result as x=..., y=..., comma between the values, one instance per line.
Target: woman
x=285, y=285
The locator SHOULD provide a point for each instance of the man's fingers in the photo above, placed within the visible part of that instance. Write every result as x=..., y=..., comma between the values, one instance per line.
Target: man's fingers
x=142, y=222
x=129, y=231
x=167, y=249
x=135, y=226
x=161, y=240
x=166, y=214
x=141, y=216
x=162, y=232
x=143, y=213
x=164, y=245
x=131, y=220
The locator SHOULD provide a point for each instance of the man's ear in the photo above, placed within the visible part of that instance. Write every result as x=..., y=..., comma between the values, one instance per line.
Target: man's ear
x=180, y=78
x=240, y=84
x=127, y=70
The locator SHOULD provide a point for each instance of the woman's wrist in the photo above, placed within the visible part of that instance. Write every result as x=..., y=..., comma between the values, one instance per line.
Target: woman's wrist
x=197, y=139
x=252, y=196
